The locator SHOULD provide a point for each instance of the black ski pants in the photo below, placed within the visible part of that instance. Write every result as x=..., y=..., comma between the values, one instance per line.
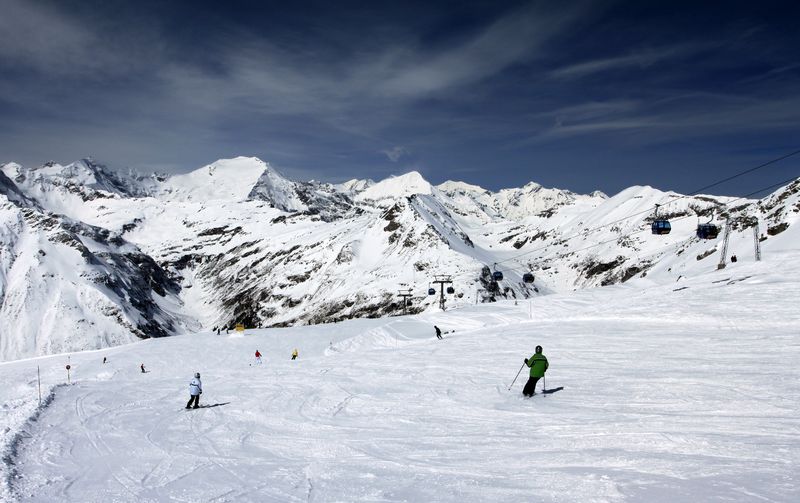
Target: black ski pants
x=195, y=399
x=530, y=386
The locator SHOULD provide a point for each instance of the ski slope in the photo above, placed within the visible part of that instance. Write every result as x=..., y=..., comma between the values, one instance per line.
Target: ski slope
x=685, y=392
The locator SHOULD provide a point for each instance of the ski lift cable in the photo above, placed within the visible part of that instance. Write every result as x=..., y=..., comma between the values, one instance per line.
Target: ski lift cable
x=773, y=161
x=675, y=198
x=763, y=189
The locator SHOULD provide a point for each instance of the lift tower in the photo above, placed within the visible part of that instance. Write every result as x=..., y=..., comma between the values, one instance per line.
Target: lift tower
x=757, y=242
x=405, y=294
x=442, y=280
x=727, y=237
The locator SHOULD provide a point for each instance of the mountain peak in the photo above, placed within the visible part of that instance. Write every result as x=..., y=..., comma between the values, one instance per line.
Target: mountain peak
x=397, y=186
x=451, y=186
x=273, y=187
x=224, y=179
x=354, y=185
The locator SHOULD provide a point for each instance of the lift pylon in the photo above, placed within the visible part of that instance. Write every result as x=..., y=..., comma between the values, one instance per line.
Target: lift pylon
x=405, y=294
x=442, y=280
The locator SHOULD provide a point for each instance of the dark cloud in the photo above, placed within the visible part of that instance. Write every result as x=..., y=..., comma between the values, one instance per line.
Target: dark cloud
x=580, y=95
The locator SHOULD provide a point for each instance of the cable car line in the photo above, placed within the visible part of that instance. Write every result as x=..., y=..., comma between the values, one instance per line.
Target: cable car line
x=774, y=185
x=675, y=198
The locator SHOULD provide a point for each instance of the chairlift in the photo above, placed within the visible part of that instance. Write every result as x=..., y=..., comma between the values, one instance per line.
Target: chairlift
x=451, y=290
x=527, y=277
x=660, y=225
x=431, y=291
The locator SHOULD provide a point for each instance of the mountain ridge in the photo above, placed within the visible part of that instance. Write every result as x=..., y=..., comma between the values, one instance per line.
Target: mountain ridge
x=257, y=248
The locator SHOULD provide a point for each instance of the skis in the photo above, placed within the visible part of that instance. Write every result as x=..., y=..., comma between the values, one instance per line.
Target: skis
x=209, y=406
x=546, y=392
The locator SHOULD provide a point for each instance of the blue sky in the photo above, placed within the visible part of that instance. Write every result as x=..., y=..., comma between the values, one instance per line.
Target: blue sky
x=575, y=95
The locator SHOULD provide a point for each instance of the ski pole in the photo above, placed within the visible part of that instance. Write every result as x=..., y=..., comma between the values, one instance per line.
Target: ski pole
x=515, y=377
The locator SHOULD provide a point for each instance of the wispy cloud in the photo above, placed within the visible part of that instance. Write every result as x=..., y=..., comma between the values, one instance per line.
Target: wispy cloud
x=698, y=115
x=518, y=36
x=394, y=154
x=639, y=59
x=49, y=40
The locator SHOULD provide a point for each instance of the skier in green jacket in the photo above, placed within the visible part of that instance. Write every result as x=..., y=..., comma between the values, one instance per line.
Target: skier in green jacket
x=538, y=364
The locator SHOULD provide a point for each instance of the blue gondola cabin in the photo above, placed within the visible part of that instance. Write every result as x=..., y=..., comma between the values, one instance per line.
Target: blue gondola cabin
x=661, y=227
x=707, y=231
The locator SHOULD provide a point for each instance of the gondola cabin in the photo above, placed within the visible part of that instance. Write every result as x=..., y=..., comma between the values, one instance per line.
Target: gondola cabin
x=661, y=227
x=707, y=231
x=498, y=276
x=451, y=290
x=431, y=291
x=527, y=277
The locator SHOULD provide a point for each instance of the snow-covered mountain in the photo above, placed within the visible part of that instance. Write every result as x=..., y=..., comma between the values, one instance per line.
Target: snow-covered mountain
x=237, y=242
x=66, y=285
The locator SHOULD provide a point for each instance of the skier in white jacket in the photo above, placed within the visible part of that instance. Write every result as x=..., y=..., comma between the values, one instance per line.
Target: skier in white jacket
x=195, y=390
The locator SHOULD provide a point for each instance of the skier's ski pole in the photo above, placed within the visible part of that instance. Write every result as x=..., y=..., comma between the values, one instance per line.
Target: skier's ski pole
x=515, y=377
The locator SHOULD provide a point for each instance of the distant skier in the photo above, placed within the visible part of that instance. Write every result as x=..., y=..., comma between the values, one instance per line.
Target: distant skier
x=438, y=332
x=104, y=360
x=294, y=354
x=142, y=367
x=195, y=390
x=258, y=357
x=538, y=364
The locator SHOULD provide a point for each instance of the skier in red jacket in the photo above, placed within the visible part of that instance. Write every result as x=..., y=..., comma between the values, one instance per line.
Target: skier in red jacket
x=258, y=357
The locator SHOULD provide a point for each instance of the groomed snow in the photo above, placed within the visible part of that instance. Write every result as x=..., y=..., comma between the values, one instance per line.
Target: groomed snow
x=684, y=392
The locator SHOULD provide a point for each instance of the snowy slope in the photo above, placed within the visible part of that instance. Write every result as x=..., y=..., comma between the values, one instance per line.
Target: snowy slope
x=671, y=393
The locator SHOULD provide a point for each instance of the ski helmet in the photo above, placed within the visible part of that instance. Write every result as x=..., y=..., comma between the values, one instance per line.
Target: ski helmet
x=538, y=349
x=197, y=375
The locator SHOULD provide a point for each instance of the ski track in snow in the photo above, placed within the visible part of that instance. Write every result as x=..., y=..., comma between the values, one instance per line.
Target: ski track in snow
x=669, y=396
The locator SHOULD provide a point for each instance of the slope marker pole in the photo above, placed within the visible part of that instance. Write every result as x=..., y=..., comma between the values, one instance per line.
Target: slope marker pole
x=39, y=380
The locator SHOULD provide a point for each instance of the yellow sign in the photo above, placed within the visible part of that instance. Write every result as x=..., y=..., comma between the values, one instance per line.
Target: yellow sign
x=239, y=327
